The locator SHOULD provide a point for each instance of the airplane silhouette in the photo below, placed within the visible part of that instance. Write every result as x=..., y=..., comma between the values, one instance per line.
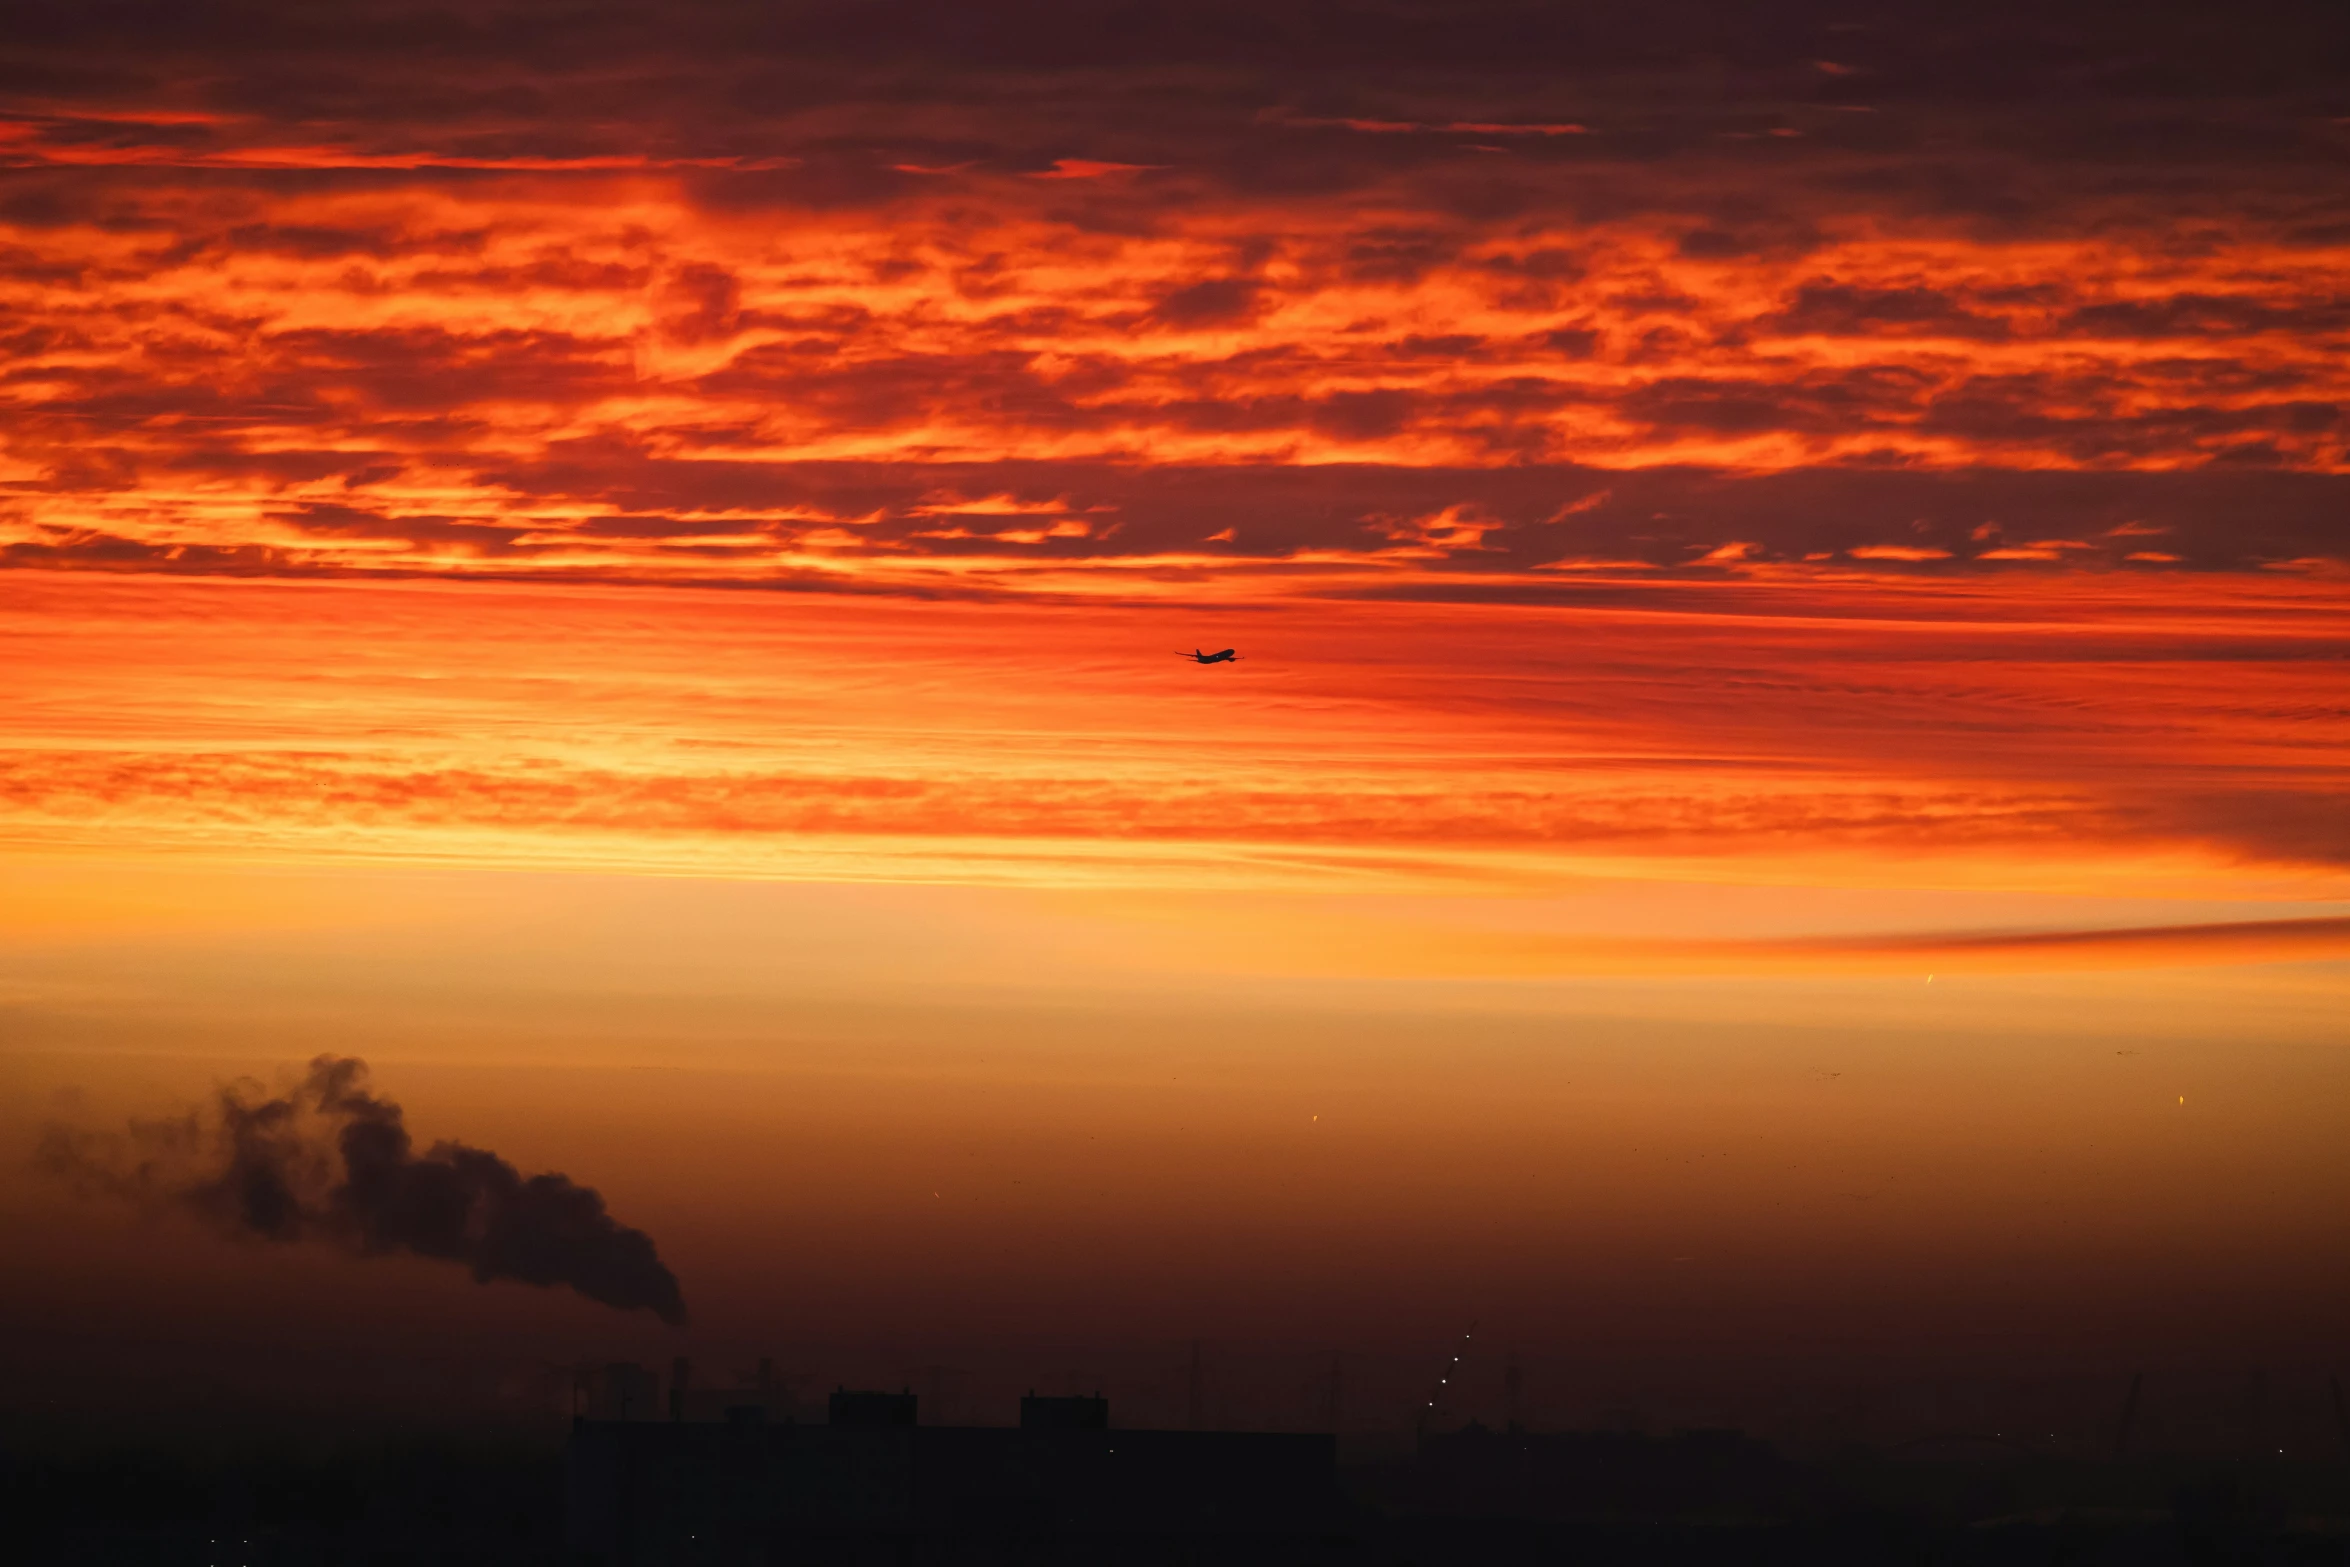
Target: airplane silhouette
x=1228, y=656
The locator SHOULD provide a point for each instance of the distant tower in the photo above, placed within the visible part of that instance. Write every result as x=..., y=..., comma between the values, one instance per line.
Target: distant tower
x=1199, y=1401
x=2121, y=1436
x=624, y=1391
x=2256, y=1415
x=943, y=1383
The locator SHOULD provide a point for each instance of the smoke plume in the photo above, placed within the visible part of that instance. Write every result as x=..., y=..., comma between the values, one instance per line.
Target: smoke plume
x=329, y=1161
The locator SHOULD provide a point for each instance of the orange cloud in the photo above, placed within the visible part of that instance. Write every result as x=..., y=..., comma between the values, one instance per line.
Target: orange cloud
x=1089, y=169
x=1710, y=349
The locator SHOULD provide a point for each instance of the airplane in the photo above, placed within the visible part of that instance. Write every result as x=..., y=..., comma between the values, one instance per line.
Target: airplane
x=1228, y=656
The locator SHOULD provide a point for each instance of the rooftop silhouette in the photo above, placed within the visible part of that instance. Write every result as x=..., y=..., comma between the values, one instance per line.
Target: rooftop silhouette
x=651, y=1492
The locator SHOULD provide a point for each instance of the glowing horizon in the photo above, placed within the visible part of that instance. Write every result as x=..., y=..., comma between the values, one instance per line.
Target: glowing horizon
x=1793, y=601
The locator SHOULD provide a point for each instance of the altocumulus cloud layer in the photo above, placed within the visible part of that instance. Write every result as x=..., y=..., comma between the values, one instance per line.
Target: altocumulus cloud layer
x=912, y=295
x=330, y=1162
x=1737, y=428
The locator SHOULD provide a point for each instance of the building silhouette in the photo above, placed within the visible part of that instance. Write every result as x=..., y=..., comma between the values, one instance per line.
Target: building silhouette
x=871, y=1485
x=1064, y=1414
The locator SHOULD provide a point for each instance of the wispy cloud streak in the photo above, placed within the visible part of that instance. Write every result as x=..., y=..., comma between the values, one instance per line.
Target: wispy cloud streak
x=1698, y=724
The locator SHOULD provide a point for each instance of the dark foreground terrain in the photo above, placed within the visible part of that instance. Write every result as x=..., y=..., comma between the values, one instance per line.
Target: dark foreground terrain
x=1476, y=1498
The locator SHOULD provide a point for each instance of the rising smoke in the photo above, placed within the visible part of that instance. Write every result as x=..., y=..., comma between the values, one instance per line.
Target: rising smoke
x=330, y=1162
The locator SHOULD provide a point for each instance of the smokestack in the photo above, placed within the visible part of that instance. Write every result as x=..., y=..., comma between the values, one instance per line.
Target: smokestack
x=2256, y=1415
x=681, y=1372
x=1199, y=1415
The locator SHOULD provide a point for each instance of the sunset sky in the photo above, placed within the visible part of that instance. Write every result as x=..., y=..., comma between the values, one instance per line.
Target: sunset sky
x=1784, y=803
